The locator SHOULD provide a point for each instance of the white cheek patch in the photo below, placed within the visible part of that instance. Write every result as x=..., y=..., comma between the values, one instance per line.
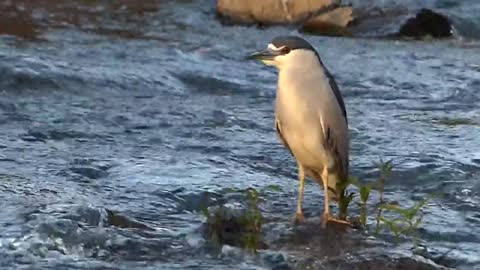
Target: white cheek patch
x=272, y=47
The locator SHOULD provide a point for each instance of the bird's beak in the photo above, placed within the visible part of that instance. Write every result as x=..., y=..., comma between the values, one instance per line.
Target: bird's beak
x=266, y=55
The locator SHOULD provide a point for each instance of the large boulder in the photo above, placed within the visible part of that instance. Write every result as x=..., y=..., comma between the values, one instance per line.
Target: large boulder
x=319, y=16
x=427, y=23
x=269, y=11
x=15, y=22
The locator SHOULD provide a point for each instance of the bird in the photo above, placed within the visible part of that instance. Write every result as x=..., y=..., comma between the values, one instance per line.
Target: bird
x=310, y=117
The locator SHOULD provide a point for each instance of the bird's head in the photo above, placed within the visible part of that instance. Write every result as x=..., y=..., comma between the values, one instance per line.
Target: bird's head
x=286, y=51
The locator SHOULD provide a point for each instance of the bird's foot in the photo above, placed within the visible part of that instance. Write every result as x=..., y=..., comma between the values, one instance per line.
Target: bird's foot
x=298, y=219
x=327, y=217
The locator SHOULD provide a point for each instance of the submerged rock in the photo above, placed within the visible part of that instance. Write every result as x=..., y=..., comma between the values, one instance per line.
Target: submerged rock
x=320, y=16
x=377, y=262
x=427, y=23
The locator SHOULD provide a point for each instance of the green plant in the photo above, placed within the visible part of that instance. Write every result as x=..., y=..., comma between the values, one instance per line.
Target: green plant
x=364, y=191
x=385, y=169
x=237, y=227
x=406, y=220
x=229, y=227
x=253, y=221
x=344, y=198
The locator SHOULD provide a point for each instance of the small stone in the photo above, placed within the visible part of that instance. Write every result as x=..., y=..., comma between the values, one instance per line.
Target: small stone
x=232, y=252
x=276, y=260
x=195, y=240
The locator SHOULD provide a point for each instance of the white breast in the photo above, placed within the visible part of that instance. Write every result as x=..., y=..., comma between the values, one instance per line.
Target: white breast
x=304, y=95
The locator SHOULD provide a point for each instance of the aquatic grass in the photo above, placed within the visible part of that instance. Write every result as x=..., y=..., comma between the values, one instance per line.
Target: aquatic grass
x=253, y=222
x=405, y=220
x=364, y=191
x=385, y=169
x=344, y=198
x=241, y=228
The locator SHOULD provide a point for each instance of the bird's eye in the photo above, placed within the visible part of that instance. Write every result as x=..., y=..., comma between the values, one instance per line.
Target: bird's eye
x=285, y=50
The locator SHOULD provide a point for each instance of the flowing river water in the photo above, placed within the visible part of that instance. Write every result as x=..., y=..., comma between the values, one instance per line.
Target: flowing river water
x=118, y=123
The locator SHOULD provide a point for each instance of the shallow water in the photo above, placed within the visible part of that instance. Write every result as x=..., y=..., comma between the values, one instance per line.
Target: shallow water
x=112, y=141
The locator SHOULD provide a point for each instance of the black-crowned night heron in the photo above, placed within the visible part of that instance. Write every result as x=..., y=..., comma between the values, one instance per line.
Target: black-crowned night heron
x=310, y=116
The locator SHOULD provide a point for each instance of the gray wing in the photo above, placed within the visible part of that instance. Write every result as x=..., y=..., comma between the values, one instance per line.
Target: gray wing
x=336, y=143
x=335, y=129
x=336, y=92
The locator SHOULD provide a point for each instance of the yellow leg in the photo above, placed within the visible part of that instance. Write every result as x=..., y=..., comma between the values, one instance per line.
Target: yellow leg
x=326, y=213
x=301, y=177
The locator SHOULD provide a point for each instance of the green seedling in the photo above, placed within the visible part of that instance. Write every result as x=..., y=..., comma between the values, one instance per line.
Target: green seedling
x=253, y=221
x=407, y=220
x=242, y=229
x=385, y=172
x=344, y=198
x=364, y=191
x=393, y=225
x=226, y=227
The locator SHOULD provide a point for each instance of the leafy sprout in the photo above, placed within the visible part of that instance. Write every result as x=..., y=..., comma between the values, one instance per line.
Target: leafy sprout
x=407, y=219
x=248, y=226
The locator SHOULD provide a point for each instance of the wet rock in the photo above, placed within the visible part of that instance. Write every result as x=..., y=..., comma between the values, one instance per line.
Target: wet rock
x=27, y=19
x=427, y=23
x=234, y=227
x=65, y=134
x=382, y=262
x=117, y=220
x=63, y=228
x=56, y=135
x=102, y=217
x=15, y=22
x=195, y=240
x=89, y=168
x=232, y=252
x=276, y=260
x=330, y=23
x=87, y=216
x=268, y=11
x=28, y=138
x=396, y=21
x=322, y=16
x=89, y=172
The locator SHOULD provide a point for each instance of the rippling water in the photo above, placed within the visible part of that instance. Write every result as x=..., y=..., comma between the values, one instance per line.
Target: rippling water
x=115, y=132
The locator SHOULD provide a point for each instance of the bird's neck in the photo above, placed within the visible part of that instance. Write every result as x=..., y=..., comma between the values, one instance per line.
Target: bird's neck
x=298, y=73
